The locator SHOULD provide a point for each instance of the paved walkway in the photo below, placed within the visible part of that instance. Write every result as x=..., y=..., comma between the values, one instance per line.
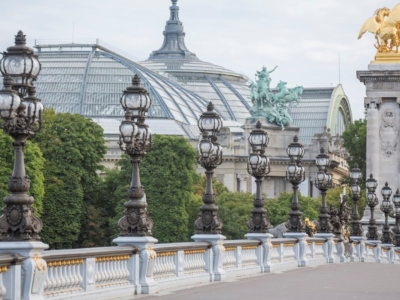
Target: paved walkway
x=366, y=281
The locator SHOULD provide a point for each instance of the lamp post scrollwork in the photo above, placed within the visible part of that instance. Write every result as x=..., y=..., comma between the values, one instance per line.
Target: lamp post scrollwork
x=355, y=194
x=22, y=118
x=387, y=209
x=209, y=156
x=258, y=166
x=135, y=140
x=295, y=174
x=372, y=201
x=323, y=182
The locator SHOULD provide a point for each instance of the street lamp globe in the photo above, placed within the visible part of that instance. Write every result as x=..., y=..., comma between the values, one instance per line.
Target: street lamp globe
x=128, y=131
x=355, y=191
x=321, y=178
x=21, y=64
x=210, y=121
x=322, y=159
x=291, y=170
x=355, y=173
x=396, y=199
x=136, y=99
x=33, y=107
x=9, y=100
x=255, y=161
x=386, y=191
x=217, y=153
x=258, y=139
x=372, y=200
x=143, y=136
x=371, y=183
x=205, y=147
x=295, y=150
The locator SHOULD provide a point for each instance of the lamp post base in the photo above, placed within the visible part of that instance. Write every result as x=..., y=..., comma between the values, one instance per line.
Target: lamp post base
x=143, y=280
x=265, y=249
x=214, y=262
x=34, y=269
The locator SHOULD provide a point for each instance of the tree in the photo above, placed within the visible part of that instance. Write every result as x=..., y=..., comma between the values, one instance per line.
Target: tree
x=34, y=163
x=168, y=175
x=73, y=147
x=355, y=141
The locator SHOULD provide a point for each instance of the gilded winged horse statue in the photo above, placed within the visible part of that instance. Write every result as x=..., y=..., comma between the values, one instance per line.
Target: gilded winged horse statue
x=385, y=24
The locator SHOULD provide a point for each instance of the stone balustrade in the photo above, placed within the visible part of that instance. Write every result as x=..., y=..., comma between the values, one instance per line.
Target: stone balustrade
x=110, y=272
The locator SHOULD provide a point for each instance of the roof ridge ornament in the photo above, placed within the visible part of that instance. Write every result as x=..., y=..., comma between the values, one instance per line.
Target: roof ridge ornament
x=174, y=39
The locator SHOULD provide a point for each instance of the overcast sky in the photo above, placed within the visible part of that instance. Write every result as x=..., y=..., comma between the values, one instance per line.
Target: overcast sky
x=303, y=38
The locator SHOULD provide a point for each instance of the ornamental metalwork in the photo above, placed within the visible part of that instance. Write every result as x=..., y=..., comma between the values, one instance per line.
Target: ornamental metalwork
x=396, y=214
x=22, y=118
x=355, y=194
x=269, y=105
x=135, y=140
x=323, y=182
x=372, y=201
x=209, y=156
x=258, y=166
x=387, y=209
x=295, y=174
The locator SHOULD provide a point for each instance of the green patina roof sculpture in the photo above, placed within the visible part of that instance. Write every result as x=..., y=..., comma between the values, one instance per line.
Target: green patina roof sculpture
x=269, y=105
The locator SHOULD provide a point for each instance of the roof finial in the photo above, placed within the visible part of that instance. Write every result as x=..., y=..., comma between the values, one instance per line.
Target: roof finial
x=174, y=2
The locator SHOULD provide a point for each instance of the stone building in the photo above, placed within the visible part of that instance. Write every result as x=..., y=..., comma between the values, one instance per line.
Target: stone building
x=87, y=77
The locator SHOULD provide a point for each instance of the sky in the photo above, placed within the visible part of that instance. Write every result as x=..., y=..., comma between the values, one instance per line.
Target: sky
x=303, y=38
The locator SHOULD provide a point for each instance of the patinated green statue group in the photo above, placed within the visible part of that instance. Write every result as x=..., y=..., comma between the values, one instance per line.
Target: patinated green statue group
x=273, y=106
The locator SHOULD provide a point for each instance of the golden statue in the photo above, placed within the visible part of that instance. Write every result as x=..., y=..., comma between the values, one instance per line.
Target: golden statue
x=311, y=229
x=385, y=24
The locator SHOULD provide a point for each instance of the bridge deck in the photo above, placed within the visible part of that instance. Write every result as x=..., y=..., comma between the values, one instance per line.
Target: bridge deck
x=329, y=282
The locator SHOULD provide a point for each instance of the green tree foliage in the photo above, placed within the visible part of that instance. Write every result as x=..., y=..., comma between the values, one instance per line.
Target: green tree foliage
x=34, y=163
x=355, y=141
x=73, y=147
x=168, y=176
x=278, y=209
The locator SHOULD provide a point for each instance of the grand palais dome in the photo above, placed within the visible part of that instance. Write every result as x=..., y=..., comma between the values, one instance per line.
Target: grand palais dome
x=88, y=76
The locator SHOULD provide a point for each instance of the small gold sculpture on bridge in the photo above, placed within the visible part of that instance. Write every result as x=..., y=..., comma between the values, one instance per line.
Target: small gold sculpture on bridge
x=385, y=24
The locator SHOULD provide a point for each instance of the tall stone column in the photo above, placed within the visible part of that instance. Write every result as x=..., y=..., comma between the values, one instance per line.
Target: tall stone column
x=382, y=82
x=242, y=182
x=372, y=105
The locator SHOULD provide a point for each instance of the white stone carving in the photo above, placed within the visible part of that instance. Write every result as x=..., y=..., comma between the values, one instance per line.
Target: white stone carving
x=388, y=133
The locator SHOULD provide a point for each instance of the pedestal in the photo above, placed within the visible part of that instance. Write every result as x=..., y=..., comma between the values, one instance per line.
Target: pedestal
x=377, y=251
x=217, y=273
x=390, y=256
x=358, y=249
x=300, y=247
x=34, y=269
x=141, y=269
x=328, y=245
x=265, y=257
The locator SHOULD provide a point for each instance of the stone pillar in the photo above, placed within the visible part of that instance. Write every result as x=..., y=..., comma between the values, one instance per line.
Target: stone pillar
x=242, y=182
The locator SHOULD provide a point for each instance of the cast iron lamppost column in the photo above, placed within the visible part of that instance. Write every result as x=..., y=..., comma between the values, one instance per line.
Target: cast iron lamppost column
x=22, y=118
x=209, y=157
x=295, y=174
x=258, y=166
x=356, y=232
x=323, y=182
x=21, y=112
x=396, y=214
x=386, y=208
x=372, y=201
x=135, y=140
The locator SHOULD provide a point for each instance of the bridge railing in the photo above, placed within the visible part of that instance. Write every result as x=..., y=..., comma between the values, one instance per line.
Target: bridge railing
x=120, y=271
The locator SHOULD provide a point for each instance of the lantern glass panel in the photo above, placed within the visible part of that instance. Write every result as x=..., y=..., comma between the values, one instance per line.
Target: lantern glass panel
x=8, y=105
x=355, y=174
x=396, y=199
x=386, y=204
x=132, y=101
x=205, y=148
x=14, y=65
x=322, y=161
x=127, y=131
x=321, y=177
x=371, y=184
x=35, y=67
x=292, y=169
x=386, y=191
x=254, y=161
x=208, y=124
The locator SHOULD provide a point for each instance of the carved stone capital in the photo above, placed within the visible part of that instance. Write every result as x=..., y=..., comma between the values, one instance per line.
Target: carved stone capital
x=241, y=177
x=372, y=102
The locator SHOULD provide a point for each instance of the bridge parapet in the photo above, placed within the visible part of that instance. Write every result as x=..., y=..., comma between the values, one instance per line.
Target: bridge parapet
x=111, y=272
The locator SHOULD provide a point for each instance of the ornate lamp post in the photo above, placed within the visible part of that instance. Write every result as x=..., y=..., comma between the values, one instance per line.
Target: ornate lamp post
x=386, y=208
x=372, y=201
x=295, y=174
x=22, y=118
x=396, y=202
x=135, y=140
x=258, y=166
x=355, y=193
x=209, y=157
x=323, y=182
